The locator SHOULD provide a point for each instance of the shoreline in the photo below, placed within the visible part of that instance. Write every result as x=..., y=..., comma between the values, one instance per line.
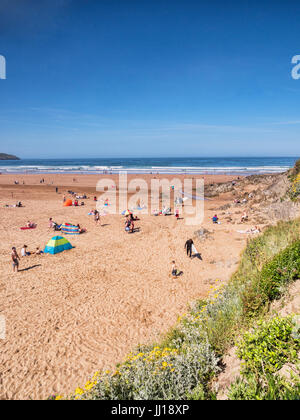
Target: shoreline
x=152, y=172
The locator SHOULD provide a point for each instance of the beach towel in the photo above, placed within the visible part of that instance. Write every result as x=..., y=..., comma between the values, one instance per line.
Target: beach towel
x=26, y=227
x=194, y=250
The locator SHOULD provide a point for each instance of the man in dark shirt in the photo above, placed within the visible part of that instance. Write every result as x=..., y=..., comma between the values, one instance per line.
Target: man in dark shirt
x=188, y=246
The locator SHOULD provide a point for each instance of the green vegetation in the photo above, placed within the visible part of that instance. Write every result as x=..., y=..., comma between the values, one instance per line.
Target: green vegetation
x=183, y=365
x=270, y=346
x=281, y=270
x=294, y=177
x=271, y=388
x=273, y=344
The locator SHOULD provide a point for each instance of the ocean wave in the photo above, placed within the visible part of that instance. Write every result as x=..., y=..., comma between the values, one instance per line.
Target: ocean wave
x=92, y=169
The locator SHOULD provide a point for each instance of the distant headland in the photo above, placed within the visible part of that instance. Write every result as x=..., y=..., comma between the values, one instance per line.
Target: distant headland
x=4, y=156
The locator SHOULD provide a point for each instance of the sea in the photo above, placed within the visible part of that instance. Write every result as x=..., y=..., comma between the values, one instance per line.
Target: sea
x=177, y=165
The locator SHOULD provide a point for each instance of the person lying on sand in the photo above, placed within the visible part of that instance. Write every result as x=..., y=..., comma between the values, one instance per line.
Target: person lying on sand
x=15, y=259
x=30, y=224
x=81, y=230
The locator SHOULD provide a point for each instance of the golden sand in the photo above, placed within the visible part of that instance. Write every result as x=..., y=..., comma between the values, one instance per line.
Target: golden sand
x=83, y=310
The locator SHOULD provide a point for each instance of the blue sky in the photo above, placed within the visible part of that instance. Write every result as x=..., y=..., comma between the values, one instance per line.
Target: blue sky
x=118, y=78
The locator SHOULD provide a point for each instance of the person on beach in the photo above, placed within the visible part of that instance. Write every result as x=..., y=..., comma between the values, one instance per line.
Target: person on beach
x=15, y=259
x=81, y=230
x=24, y=252
x=96, y=217
x=188, y=245
x=129, y=225
x=244, y=217
x=215, y=219
x=38, y=251
x=175, y=272
x=177, y=214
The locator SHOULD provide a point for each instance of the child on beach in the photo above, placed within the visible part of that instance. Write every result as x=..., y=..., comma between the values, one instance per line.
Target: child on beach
x=215, y=219
x=97, y=217
x=15, y=259
x=175, y=272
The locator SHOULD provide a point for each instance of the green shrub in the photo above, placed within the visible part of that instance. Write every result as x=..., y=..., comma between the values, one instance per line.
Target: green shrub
x=269, y=388
x=270, y=346
x=282, y=269
x=161, y=374
x=254, y=300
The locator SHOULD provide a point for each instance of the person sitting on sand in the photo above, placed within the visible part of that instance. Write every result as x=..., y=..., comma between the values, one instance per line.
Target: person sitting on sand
x=24, y=252
x=255, y=229
x=127, y=225
x=30, y=224
x=215, y=219
x=15, y=259
x=175, y=272
x=244, y=217
x=38, y=251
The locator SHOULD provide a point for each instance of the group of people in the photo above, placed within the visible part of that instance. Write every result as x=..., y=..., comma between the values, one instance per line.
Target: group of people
x=30, y=224
x=24, y=253
x=53, y=225
x=129, y=222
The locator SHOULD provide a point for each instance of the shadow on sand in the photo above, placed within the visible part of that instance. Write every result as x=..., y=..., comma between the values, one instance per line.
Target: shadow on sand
x=29, y=268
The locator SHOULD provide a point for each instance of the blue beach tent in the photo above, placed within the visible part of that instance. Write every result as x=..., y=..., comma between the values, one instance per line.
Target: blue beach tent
x=56, y=245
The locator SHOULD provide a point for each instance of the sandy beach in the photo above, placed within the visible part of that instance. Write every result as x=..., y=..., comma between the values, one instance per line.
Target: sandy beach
x=71, y=314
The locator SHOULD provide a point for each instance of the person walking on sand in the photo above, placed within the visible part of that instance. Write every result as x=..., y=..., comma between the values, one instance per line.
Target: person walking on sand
x=188, y=245
x=97, y=217
x=15, y=259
